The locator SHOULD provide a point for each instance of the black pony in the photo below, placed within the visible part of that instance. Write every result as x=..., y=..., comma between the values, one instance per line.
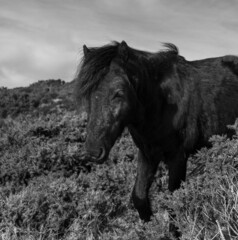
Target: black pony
x=171, y=107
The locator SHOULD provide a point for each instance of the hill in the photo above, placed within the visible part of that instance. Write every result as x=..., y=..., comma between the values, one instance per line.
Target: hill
x=39, y=98
x=48, y=192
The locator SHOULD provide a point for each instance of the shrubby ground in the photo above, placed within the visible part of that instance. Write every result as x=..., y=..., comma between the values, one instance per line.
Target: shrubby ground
x=46, y=192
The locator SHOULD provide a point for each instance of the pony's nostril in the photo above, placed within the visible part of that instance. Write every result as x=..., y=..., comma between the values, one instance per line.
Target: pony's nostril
x=102, y=154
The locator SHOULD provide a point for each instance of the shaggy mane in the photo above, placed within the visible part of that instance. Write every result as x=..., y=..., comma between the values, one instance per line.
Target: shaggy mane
x=96, y=64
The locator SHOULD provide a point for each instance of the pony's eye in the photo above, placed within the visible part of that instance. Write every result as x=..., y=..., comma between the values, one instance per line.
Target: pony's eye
x=118, y=94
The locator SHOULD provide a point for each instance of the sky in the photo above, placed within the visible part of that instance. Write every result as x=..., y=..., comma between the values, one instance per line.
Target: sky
x=43, y=39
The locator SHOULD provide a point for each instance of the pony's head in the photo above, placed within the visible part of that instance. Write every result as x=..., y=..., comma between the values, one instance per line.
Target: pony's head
x=104, y=85
x=117, y=83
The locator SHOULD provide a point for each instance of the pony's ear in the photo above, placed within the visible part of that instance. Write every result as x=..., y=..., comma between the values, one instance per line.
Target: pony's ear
x=123, y=51
x=85, y=50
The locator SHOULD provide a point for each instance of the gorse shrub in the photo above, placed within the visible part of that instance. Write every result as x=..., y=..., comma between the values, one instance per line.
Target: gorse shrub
x=47, y=192
x=43, y=97
x=207, y=204
x=34, y=148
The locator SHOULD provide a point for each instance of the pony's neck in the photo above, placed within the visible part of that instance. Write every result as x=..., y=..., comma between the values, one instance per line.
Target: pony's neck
x=146, y=75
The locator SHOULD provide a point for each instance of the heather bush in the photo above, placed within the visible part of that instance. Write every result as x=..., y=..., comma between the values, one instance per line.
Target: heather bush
x=47, y=192
x=37, y=99
x=207, y=204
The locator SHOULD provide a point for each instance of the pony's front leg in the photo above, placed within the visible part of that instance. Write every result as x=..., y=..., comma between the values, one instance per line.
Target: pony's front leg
x=146, y=170
x=177, y=169
x=177, y=174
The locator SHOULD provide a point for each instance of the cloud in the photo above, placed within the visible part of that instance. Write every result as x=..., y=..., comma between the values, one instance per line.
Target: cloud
x=32, y=50
x=31, y=60
x=42, y=39
x=11, y=78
